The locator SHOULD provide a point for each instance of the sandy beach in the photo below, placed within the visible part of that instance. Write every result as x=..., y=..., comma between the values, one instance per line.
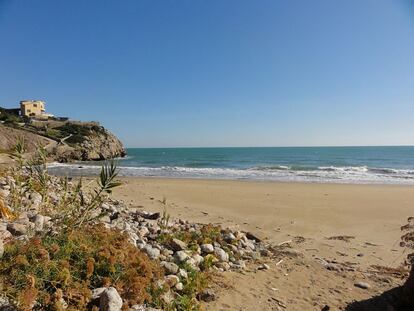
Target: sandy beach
x=354, y=226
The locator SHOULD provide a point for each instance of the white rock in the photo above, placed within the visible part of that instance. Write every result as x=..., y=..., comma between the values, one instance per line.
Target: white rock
x=3, y=226
x=239, y=264
x=170, y=267
x=4, y=193
x=229, y=237
x=182, y=274
x=4, y=235
x=39, y=221
x=198, y=259
x=225, y=266
x=181, y=256
x=179, y=286
x=17, y=229
x=167, y=297
x=36, y=198
x=178, y=245
x=207, y=248
x=263, y=267
x=152, y=253
x=143, y=232
x=171, y=280
x=110, y=300
x=221, y=254
x=362, y=285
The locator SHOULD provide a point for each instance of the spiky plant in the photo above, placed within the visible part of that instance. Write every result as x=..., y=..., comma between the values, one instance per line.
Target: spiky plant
x=106, y=183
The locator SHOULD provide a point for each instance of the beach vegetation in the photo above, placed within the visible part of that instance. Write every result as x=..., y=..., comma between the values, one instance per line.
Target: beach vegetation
x=67, y=265
x=57, y=268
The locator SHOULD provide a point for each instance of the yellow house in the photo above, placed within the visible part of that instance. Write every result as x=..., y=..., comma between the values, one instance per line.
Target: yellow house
x=32, y=108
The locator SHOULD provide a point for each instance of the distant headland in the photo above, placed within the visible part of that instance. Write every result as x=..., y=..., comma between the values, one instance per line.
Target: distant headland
x=64, y=139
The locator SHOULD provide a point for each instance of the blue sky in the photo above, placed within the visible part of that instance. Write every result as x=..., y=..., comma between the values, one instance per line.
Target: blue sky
x=217, y=72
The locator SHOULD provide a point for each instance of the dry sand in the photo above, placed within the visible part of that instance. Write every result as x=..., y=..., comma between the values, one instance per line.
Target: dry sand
x=309, y=215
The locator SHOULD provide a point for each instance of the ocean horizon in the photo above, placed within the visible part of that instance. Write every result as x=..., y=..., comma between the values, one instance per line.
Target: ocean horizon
x=358, y=164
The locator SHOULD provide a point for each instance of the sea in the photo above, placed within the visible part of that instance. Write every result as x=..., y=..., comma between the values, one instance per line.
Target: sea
x=355, y=165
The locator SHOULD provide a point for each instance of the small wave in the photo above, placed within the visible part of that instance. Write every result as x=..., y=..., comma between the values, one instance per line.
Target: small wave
x=271, y=168
x=385, y=171
x=344, y=168
x=329, y=174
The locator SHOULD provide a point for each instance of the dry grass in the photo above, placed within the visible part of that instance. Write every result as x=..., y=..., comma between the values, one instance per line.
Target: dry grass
x=70, y=264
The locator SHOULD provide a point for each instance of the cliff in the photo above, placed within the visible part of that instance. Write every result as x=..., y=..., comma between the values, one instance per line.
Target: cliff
x=90, y=143
x=64, y=141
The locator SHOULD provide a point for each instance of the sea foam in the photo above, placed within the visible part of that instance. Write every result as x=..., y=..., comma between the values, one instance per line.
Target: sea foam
x=323, y=174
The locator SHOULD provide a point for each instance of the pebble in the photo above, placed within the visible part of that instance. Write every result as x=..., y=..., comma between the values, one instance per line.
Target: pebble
x=181, y=257
x=198, y=259
x=170, y=267
x=229, y=237
x=39, y=221
x=208, y=295
x=207, y=248
x=221, y=254
x=179, y=286
x=362, y=285
x=152, y=252
x=178, y=245
x=182, y=274
x=263, y=267
x=17, y=229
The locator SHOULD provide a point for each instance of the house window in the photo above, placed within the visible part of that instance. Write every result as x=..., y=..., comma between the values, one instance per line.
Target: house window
x=28, y=110
x=35, y=105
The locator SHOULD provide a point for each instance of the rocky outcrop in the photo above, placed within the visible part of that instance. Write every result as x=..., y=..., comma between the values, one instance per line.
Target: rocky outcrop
x=101, y=146
x=96, y=146
x=65, y=141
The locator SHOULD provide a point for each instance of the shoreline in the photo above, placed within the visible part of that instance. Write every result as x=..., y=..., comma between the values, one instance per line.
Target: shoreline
x=260, y=181
x=247, y=180
x=279, y=174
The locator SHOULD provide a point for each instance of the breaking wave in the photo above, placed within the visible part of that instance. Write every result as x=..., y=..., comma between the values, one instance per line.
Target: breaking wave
x=321, y=174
